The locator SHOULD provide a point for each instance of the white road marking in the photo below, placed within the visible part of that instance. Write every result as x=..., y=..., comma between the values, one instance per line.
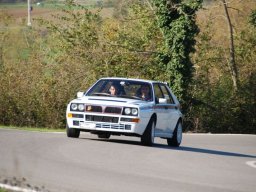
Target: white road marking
x=251, y=163
x=15, y=188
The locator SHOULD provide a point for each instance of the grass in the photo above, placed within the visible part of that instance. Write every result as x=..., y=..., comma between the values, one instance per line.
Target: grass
x=2, y=190
x=37, y=129
x=13, y=5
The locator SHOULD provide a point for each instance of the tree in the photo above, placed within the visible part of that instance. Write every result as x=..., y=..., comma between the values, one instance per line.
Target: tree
x=232, y=61
x=176, y=18
x=252, y=19
x=217, y=107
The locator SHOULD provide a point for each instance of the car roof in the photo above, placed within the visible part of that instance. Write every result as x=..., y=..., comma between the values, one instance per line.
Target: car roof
x=132, y=79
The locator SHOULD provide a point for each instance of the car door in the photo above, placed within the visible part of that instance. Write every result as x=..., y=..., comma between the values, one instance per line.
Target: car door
x=161, y=110
x=171, y=109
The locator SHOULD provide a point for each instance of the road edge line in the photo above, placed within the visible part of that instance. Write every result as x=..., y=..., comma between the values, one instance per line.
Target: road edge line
x=15, y=188
x=251, y=163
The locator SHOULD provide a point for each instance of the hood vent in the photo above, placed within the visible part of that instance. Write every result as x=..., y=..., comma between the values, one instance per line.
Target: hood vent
x=107, y=100
x=102, y=109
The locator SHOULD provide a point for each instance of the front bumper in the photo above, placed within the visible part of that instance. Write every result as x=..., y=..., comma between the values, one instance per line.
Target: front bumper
x=107, y=123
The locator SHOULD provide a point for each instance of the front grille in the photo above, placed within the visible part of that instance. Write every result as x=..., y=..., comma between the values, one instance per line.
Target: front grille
x=113, y=126
x=115, y=110
x=101, y=118
x=102, y=109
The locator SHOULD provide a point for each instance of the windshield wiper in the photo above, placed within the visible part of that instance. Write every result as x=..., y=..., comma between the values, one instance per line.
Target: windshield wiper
x=121, y=96
x=102, y=94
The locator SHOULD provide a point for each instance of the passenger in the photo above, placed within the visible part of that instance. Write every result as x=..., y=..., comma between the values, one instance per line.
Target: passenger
x=113, y=90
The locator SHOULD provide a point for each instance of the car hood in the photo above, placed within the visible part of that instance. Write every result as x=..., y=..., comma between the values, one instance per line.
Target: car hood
x=114, y=101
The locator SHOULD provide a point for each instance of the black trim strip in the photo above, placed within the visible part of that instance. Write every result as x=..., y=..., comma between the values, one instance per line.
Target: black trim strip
x=165, y=107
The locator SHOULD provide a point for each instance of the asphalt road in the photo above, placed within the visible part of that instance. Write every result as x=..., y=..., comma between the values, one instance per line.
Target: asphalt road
x=53, y=162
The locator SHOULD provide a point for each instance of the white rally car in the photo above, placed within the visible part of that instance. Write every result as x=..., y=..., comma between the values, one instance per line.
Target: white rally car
x=131, y=107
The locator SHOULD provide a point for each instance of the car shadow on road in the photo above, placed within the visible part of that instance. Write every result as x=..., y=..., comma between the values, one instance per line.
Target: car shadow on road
x=181, y=148
x=119, y=141
x=206, y=151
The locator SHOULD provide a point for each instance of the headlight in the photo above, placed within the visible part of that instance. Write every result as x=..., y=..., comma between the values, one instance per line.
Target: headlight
x=73, y=106
x=81, y=107
x=130, y=111
x=127, y=111
x=134, y=111
x=77, y=107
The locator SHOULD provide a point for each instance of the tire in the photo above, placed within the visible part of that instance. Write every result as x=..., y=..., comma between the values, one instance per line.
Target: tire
x=74, y=133
x=148, y=136
x=176, y=139
x=104, y=135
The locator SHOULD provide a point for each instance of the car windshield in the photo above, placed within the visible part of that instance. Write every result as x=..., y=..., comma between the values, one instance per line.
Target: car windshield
x=122, y=88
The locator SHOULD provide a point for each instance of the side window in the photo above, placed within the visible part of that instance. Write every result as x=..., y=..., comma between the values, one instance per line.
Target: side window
x=167, y=94
x=158, y=92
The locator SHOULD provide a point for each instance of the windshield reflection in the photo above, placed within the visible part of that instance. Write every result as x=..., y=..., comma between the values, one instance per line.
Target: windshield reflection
x=122, y=88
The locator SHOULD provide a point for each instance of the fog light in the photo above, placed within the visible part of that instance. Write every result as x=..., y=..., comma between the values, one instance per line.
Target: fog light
x=76, y=123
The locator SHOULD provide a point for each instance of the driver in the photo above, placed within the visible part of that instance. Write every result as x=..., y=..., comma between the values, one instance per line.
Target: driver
x=144, y=93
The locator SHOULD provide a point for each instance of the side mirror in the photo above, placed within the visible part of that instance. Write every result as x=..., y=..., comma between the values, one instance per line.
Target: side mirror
x=79, y=94
x=162, y=101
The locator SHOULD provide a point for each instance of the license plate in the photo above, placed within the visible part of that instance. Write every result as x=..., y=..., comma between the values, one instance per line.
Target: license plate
x=87, y=125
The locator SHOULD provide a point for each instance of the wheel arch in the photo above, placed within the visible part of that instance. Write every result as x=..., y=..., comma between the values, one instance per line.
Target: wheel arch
x=180, y=120
x=152, y=118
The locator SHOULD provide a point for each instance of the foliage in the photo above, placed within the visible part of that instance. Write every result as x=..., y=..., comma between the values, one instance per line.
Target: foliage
x=42, y=68
x=177, y=22
x=215, y=107
x=67, y=53
x=253, y=18
x=2, y=190
x=131, y=52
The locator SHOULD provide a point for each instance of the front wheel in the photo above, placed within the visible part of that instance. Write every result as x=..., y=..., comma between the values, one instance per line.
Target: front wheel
x=176, y=139
x=72, y=132
x=148, y=136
